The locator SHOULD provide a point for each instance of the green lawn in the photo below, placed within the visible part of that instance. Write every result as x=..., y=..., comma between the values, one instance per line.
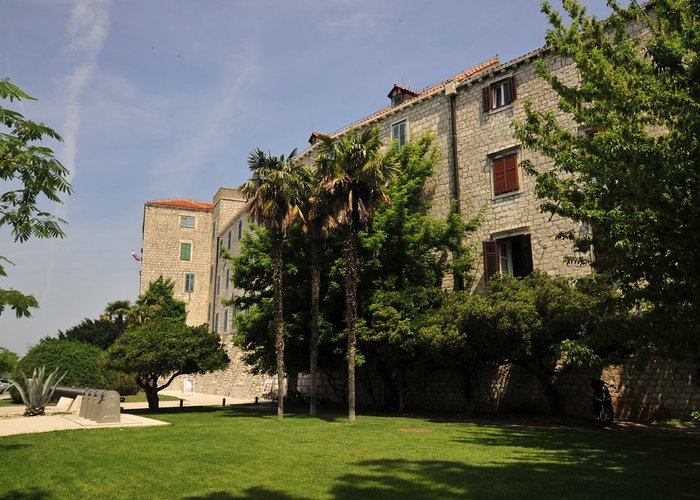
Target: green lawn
x=239, y=453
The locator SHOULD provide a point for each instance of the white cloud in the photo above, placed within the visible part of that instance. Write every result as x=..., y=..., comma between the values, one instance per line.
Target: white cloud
x=88, y=27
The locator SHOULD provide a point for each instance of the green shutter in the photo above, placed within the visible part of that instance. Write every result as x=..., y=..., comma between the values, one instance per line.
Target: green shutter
x=185, y=251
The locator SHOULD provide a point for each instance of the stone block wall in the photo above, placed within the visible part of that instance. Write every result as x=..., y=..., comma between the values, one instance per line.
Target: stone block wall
x=162, y=236
x=640, y=392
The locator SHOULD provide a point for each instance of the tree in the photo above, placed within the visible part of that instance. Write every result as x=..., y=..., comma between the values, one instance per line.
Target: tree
x=317, y=223
x=165, y=347
x=8, y=360
x=539, y=321
x=409, y=257
x=32, y=172
x=157, y=300
x=80, y=361
x=633, y=177
x=273, y=193
x=355, y=173
x=98, y=332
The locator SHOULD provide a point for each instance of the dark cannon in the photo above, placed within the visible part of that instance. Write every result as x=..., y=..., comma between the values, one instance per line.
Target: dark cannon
x=96, y=404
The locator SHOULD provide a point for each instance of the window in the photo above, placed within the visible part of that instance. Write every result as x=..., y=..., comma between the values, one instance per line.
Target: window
x=187, y=221
x=189, y=283
x=398, y=132
x=228, y=241
x=504, y=170
x=218, y=283
x=211, y=274
x=225, y=320
x=209, y=313
x=512, y=255
x=499, y=94
x=216, y=323
x=240, y=230
x=185, y=251
x=213, y=231
x=228, y=278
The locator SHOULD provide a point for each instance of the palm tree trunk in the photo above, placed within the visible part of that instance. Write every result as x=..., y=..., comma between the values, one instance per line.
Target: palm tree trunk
x=313, y=341
x=350, y=257
x=279, y=320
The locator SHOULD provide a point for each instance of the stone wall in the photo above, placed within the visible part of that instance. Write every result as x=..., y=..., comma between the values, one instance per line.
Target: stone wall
x=236, y=381
x=656, y=390
x=162, y=236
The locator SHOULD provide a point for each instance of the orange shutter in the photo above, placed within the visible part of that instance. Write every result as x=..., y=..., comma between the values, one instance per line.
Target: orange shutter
x=491, y=264
x=510, y=169
x=486, y=98
x=499, y=176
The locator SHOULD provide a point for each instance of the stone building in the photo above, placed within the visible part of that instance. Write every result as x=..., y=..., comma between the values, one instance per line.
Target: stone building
x=182, y=241
x=470, y=115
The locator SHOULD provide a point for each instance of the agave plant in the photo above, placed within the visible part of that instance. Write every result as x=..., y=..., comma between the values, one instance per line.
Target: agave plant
x=38, y=390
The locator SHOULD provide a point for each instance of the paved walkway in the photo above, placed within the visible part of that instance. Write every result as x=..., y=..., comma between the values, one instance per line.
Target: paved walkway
x=12, y=421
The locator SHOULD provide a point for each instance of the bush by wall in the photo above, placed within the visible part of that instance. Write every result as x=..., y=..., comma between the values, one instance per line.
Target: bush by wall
x=80, y=360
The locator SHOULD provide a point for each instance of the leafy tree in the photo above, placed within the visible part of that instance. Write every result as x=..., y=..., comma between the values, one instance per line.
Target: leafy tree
x=80, y=360
x=98, y=332
x=457, y=337
x=165, y=347
x=537, y=320
x=8, y=360
x=31, y=172
x=157, y=301
x=409, y=254
x=317, y=222
x=355, y=173
x=273, y=202
x=634, y=177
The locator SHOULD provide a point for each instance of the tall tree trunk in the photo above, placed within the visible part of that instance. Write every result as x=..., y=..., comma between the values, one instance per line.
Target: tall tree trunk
x=150, y=387
x=279, y=320
x=313, y=341
x=350, y=258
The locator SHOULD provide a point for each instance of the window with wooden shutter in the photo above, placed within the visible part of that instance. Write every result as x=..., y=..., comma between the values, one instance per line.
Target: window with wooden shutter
x=505, y=174
x=499, y=94
x=491, y=265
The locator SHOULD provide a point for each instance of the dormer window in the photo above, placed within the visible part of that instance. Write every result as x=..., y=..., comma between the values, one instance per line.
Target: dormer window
x=400, y=94
x=314, y=137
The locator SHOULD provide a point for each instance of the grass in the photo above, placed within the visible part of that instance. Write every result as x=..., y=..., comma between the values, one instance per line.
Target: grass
x=246, y=453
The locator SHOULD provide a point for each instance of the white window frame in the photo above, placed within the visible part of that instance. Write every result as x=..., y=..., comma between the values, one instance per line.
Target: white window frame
x=189, y=280
x=397, y=136
x=188, y=218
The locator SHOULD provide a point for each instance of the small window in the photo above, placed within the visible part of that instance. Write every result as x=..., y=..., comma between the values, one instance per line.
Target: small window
x=218, y=283
x=398, y=132
x=211, y=274
x=187, y=221
x=499, y=94
x=512, y=255
x=225, y=320
x=213, y=231
x=504, y=170
x=228, y=241
x=216, y=323
x=189, y=283
x=185, y=251
x=209, y=313
x=228, y=278
x=240, y=230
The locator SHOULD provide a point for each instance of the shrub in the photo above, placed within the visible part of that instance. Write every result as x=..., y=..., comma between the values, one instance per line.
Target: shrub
x=695, y=416
x=81, y=361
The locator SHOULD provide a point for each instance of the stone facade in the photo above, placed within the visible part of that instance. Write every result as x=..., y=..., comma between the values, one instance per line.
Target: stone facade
x=207, y=227
x=167, y=226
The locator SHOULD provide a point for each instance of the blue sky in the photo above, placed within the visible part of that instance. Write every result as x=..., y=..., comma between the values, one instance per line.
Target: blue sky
x=166, y=98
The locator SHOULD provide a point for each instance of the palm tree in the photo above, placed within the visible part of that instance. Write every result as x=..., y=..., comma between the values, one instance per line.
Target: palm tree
x=356, y=173
x=317, y=222
x=273, y=193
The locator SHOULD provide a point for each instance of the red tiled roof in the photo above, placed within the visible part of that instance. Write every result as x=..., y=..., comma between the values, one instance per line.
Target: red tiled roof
x=182, y=203
x=404, y=89
x=426, y=91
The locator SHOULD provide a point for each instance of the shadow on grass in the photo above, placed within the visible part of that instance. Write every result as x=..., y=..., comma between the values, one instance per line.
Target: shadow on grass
x=30, y=494
x=436, y=479
x=11, y=447
x=256, y=493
